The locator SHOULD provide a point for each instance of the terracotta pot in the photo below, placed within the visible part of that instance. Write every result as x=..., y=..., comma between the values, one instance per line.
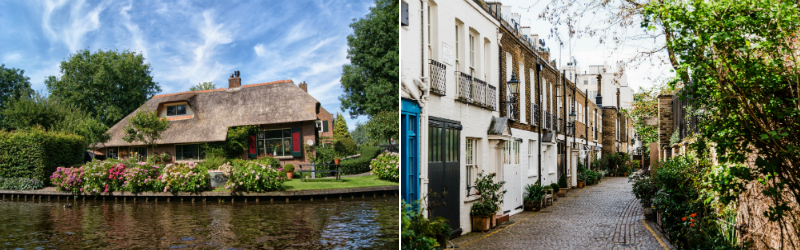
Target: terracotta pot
x=581, y=184
x=289, y=175
x=336, y=161
x=562, y=192
x=494, y=220
x=481, y=223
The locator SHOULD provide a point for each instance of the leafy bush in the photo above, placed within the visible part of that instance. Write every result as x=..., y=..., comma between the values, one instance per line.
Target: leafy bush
x=491, y=196
x=20, y=183
x=103, y=176
x=644, y=189
x=555, y=187
x=212, y=162
x=418, y=231
x=68, y=179
x=254, y=176
x=534, y=192
x=345, y=147
x=35, y=153
x=562, y=181
x=288, y=168
x=184, y=177
x=143, y=177
x=234, y=144
x=386, y=166
x=360, y=164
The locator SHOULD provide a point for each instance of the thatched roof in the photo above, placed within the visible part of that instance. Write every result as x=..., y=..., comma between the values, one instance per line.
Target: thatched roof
x=216, y=110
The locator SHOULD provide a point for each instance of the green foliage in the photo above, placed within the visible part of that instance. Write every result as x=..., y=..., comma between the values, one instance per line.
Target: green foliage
x=644, y=189
x=562, y=181
x=370, y=81
x=386, y=166
x=108, y=85
x=203, y=86
x=383, y=127
x=534, y=192
x=212, y=162
x=186, y=177
x=675, y=138
x=35, y=153
x=288, y=168
x=233, y=146
x=20, y=183
x=739, y=66
x=359, y=134
x=555, y=187
x=145, y=126
x=345, y=147
x=13, y=85
x=418, y=231
x=491, y=196
x=360, y=164
x=340, y=130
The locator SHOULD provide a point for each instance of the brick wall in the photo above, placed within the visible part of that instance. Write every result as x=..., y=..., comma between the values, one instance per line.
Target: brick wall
x=609, y=130
x=665, y=120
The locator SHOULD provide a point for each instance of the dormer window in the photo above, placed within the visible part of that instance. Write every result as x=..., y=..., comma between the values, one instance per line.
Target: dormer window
x=176, y=110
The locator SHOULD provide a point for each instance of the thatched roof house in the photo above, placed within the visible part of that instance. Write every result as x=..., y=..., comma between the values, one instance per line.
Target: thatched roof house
x=287, y=114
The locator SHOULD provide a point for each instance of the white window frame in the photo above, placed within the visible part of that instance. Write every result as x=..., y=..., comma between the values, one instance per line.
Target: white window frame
x=185, y=109
x=473, y=160
x=472, y=53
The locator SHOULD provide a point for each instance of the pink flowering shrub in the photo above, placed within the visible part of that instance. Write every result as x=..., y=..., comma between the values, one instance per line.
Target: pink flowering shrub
x=103, y=176
x=68, y=179
x=143, y=177
x=255, y=176
x=386, y=166
x=184, y=177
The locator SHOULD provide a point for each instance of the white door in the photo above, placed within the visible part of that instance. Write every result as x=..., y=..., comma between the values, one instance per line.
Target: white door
x=511, y=175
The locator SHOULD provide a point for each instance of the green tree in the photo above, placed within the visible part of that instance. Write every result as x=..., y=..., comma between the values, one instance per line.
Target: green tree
x=742, y=58
x=359, y=134
x=370, y=81
x=108, y=84
x=13, y=85
x=145, y=126
x=203, y=86
x=383, y=127
x=340, y=130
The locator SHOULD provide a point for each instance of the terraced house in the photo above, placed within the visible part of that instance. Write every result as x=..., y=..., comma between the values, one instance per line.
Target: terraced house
x=287, y=115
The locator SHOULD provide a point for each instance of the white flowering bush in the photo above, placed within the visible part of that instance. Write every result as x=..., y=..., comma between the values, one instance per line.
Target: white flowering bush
x=255, y=176
x=184, y=177
x=386, y=166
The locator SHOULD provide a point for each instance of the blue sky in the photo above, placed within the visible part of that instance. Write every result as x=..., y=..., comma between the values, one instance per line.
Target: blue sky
x=187, y=42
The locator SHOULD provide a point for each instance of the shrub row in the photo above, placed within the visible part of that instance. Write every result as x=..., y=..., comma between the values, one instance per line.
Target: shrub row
x=20, y=183
x=360, y=164
x=36, y=153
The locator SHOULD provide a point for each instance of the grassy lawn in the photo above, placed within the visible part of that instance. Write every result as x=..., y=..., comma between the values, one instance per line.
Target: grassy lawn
x=347, y=182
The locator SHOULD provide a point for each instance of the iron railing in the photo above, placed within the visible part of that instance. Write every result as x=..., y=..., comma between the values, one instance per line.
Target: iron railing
x=491, y=102
x=535, y=116
x=554, y=119
x=438, y=79
x=512, y=107
x=463, y=85
x=478, y=88
x=548, y=123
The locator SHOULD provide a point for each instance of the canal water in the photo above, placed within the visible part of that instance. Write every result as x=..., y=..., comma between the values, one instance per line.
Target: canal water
x=355, y=224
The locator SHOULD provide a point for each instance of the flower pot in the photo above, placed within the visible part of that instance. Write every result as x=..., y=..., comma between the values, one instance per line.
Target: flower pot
x=532, y=205
x=218, y=178
x=494, y=220
x=289, y=175
x=581, y=184
x=481, y=223
x=562, y=192
x=336, y=161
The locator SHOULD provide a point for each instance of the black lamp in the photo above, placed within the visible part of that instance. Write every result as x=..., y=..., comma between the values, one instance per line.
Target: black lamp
x=513, y=84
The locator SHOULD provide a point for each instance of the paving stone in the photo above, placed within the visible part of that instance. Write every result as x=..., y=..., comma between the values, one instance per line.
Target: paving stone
x=602, y=216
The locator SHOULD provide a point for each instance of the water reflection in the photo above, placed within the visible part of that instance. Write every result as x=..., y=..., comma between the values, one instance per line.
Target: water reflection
x=370, y=223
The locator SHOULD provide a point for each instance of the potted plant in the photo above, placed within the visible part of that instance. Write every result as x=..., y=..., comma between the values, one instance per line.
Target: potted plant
x=562, y=184
x=533, y=197
x=220, y=175
x=289, y=169
x=581, y=179
x=491, y=197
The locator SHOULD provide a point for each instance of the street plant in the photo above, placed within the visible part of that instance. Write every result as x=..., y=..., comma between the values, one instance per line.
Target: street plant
x=420, y=232
x=562, y=181
x=555, y=187
x=490, y=194
x=534, y=193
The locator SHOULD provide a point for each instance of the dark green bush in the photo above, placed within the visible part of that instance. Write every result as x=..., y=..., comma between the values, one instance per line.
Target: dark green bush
x=360, y=164
x=555, y=187
x=36, y=154
x=20, y=183
x=345, y=147
x=562, y=181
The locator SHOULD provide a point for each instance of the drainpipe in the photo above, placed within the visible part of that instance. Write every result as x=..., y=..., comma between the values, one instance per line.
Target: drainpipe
x=541, y=118
x=564, y=81
x=574, y=103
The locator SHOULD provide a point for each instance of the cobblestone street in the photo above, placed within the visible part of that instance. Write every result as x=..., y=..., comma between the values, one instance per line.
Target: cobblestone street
x=602, y=216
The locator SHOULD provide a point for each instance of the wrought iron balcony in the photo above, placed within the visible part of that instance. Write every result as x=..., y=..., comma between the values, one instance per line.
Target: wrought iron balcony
x=478, y=92
x=438, y=78
x=535, y=115
x=555, y=121
x=463, y=87
x=548, y=123
x=491, y=92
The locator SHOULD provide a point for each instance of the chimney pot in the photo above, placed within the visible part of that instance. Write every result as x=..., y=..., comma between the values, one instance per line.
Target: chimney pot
x=304, y=86
x=235, y=81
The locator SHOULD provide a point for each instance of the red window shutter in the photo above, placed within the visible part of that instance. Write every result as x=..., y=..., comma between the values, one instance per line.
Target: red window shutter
x=297, y=142
x=251, y=147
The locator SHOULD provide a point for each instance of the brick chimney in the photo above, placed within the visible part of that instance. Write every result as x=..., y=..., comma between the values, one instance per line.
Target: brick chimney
x=545, y=55
x=235, y=81
x=599, y=98
x=304, y=86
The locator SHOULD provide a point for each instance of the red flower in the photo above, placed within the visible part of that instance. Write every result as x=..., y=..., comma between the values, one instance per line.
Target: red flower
x=692, y=220
x=694, y=214
x=684, y=218
x=691, y=225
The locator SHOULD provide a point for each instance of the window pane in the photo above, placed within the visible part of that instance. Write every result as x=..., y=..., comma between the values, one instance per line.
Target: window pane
x=190, y=152
x=287, y=146
x=171, y=110
x=287, y=133
x=261, y=149
x=179, y=152
x=273, y=134
x=181, y=109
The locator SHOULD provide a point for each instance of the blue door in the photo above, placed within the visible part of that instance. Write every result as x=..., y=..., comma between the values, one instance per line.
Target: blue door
x=409, y=134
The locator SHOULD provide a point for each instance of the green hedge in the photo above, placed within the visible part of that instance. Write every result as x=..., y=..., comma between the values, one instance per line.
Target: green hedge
x=360, y=164
x=36, y=154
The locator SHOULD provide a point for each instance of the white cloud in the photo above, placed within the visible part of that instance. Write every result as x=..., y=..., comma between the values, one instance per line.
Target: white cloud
x=78, y=23
x=137, y=40
x=12, y=57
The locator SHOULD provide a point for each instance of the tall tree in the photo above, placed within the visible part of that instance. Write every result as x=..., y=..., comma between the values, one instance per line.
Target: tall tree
x=203, y=86
x=13, y=85
x=107, y=84
x=340, y=130
x=359, y=134
x=145, y=126
x=370, y=81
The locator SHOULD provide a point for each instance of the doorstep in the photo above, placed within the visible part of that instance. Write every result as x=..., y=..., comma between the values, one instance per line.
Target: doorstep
x=501, y=218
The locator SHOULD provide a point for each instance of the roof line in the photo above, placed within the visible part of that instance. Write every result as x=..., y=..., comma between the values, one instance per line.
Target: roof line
x=267, y=83
x=222, y=89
